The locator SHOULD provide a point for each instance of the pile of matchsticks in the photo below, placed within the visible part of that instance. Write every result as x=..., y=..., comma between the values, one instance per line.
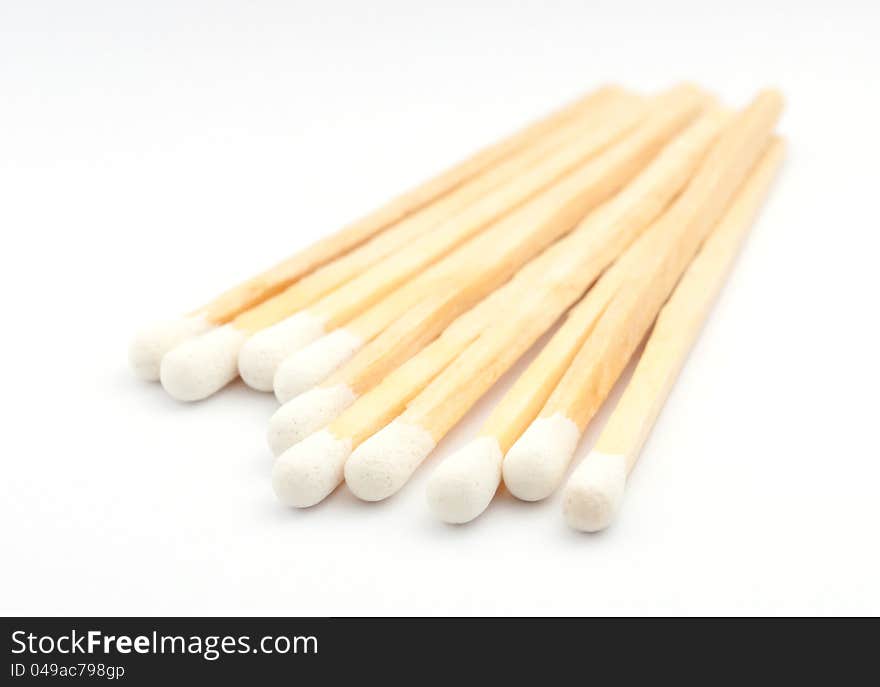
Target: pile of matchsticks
x=623, y=211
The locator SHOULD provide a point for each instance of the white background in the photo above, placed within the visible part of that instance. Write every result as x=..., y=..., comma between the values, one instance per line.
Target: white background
x=153, y=153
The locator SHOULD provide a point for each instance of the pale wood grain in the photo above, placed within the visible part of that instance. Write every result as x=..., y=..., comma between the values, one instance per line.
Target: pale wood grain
x=661, y=256
x=679, y=323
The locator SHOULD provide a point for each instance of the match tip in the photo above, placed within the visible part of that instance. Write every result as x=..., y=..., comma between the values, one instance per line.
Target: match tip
x=266, y=350
x=380, y=466
x=150, y=344
x=463, y=485
x=313, y=364
x=594, y=492
x=307, y=473
x=202, y=366
x=306, y=414
x=535, y=465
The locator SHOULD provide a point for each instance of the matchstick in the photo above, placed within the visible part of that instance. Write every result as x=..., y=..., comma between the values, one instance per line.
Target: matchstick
x=536, y=463
x=202, y=366
x=150, y=344
x=602, y=236
x=455, y=283
x=595, y=489
x=262, y=354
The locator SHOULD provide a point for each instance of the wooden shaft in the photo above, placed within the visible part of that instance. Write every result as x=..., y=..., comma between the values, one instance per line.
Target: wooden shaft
x=491, y=257
x=443, y=401
x=520, y=311
x=553, y=288
x=664, y=252
x=257, y=289
x=411, y=333
x=611, y=230
x=340, y=306
x=384, y=396
x=481, y=266
x=679, y=323
x=432, y=219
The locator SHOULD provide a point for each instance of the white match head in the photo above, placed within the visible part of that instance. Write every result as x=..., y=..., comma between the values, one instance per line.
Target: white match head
x=203, y=365
x=381, y=465
x=594, y=492
x=535, y=465
x=150, y=345
x=463, y=485
x=307, y=473
x=306, y=414
x=313, y=364
x=264, y=351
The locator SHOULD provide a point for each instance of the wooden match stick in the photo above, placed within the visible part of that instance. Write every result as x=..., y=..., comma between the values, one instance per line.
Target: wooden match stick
x=536, y=463
x=455, y=283
x=599, y=239
x=202, y=366
x=263, y=352
x=595, y=489
x=153, y=342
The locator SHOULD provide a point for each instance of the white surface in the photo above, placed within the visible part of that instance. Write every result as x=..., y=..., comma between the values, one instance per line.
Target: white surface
x=139, y=138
